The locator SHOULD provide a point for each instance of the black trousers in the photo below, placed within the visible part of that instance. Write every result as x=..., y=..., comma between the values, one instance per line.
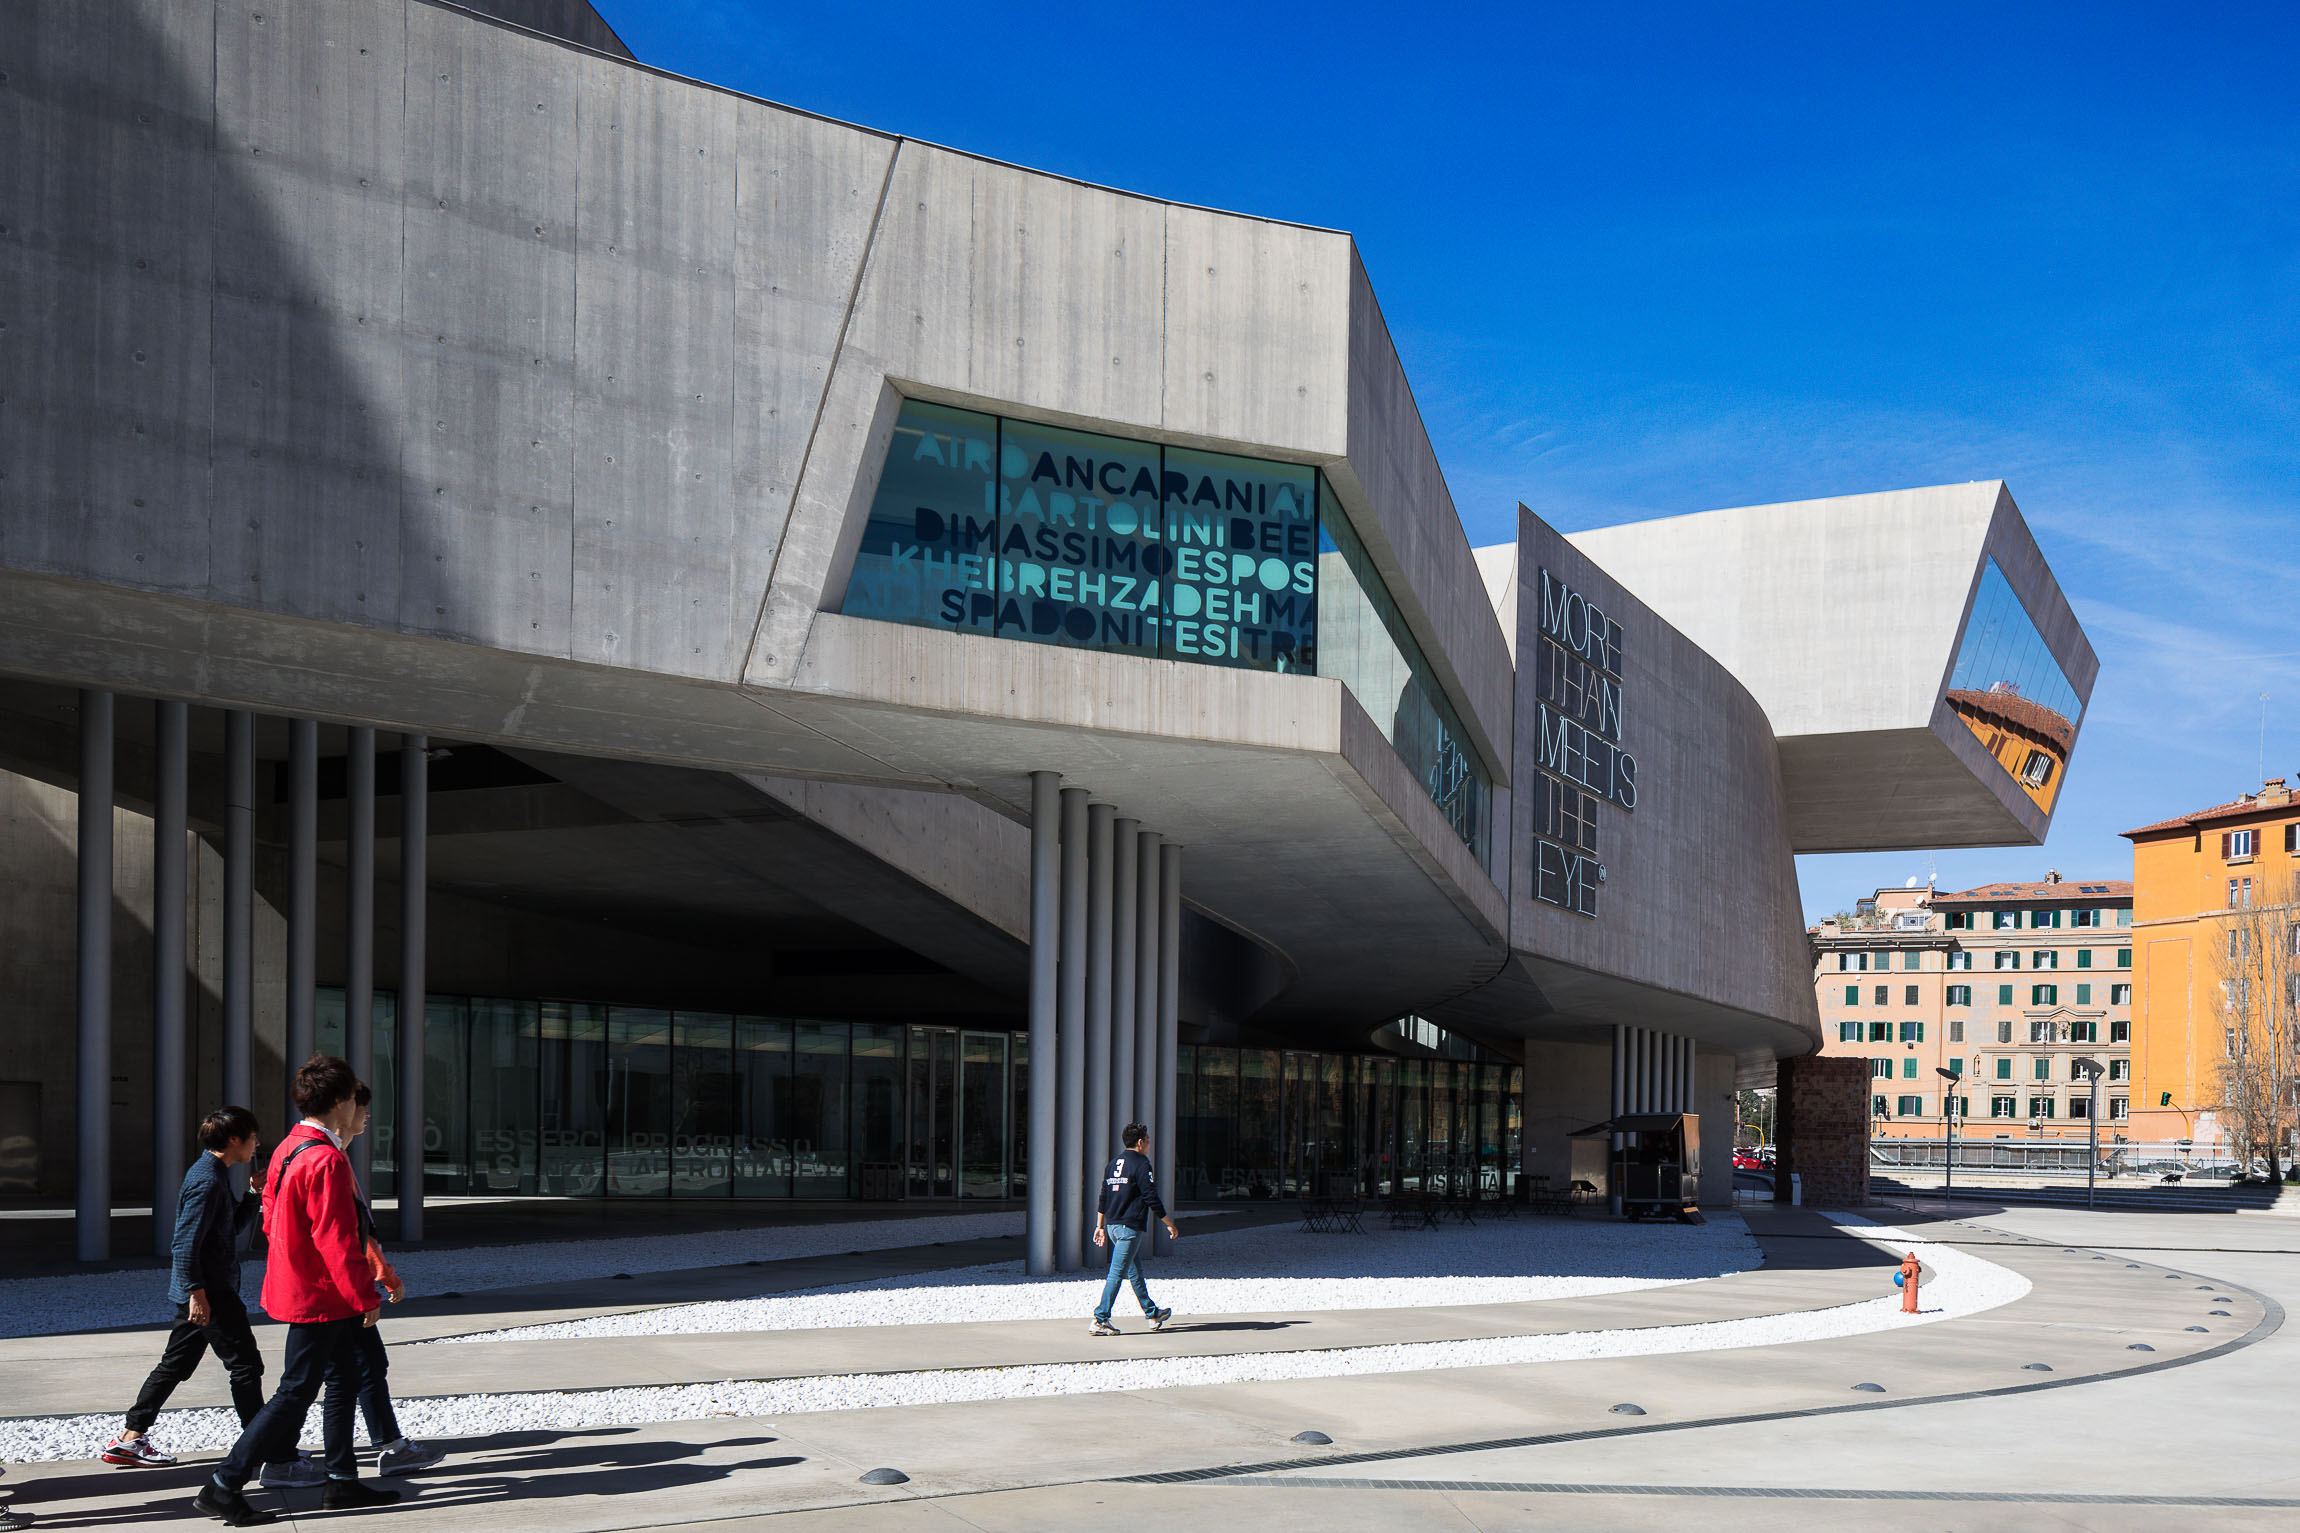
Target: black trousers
x=315, y=1352
x=234, y=1344
x=374, y=1393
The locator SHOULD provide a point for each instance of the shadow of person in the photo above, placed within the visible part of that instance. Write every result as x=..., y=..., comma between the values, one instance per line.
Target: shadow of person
x=1232, y=1325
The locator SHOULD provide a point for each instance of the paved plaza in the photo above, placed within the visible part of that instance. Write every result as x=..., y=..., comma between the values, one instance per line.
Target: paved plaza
x=2072, y=1369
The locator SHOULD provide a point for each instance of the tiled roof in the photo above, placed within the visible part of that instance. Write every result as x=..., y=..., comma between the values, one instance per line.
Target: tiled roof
x=2021, y=713
x=2066, y=889
x=2236, y=811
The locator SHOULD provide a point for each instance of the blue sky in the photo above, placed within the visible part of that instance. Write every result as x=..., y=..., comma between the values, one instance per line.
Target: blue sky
x=1647, y=260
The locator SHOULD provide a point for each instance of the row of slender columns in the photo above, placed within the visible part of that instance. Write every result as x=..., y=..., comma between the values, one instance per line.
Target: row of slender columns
x=1652, y=1071
x=1105, y=962
x=170, y=1050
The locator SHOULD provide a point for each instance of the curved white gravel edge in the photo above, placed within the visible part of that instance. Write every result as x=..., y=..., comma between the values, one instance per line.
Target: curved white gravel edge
x=1965, y=1285
x=1265, y=1269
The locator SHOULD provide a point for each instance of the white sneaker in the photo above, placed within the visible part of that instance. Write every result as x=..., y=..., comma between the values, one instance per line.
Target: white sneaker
x=135, y=1453
x=302, y=1472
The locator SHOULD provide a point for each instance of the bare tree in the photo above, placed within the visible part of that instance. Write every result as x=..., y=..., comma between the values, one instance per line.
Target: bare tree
x=2258, y=959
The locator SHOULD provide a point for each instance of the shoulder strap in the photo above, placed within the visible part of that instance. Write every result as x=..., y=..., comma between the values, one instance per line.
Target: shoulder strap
x=279, y=1172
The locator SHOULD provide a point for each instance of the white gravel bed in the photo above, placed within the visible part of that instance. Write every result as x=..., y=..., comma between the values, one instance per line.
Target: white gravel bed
x=46, y=1305
x=1965, y=1285
x=1237, y=1272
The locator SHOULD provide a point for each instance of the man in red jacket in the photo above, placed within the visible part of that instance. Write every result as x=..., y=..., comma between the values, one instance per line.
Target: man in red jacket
x=317, y=1279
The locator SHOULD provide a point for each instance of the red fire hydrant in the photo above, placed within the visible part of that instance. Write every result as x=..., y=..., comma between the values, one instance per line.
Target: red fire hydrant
x=1906, y=1277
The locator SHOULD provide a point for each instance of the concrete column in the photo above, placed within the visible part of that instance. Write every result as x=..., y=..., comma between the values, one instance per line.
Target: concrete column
x=92, y=1208
x=359, y=927
x=1045, y=1005
x=1100, y=837
x=414, y=828
x=303, y=893
x=1620, y=1106
x=240, y=914
x=1045, y=928
x=1147, y=906
x=1165, y=1149
x=171, y=1042
x=1070, y=1052
x=1125, y=938
x=1686, y=1095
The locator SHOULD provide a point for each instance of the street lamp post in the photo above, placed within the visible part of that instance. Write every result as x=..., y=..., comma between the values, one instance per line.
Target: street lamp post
x=1949, y=1111
x=2091, y=1069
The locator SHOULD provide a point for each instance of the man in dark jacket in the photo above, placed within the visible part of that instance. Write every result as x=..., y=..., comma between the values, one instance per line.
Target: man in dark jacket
x=317, y=1280
x=1129, y=1200
x=204, y=1285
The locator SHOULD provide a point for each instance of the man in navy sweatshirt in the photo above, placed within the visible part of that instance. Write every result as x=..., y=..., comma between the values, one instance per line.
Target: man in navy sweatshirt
x=204, y=1285
x=1129, y=1199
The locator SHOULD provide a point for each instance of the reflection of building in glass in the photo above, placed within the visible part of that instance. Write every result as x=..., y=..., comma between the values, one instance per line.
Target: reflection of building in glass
x=2010, y=693
x=2029, y=740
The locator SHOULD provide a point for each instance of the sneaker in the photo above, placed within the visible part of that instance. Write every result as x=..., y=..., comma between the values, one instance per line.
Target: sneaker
x=1105, y=1328
x=12, y=1520
x=135, y=1453
x=1159, y=1317
x=406, y=1456
x=301, y=1473
x=230, y=1507
x=349, y=1495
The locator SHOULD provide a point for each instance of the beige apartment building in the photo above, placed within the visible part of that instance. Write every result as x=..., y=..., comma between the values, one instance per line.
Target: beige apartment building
x=2004, y=987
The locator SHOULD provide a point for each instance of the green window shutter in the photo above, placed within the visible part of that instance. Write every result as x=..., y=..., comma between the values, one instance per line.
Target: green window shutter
x=2084, y=995
x=2124, y=958
x=1908, y=1069
x=2084, y=958
x=1852, y=995
x=2004, y=995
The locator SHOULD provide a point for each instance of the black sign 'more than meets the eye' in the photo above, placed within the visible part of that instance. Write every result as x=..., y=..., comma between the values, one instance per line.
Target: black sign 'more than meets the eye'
x=1578, y=710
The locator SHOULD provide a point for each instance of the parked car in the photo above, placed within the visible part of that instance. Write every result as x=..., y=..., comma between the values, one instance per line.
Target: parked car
x=1751, y=1160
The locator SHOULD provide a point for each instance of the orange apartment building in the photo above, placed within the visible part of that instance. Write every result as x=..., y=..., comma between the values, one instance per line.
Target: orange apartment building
x=2189, y=874
x=2005, y=986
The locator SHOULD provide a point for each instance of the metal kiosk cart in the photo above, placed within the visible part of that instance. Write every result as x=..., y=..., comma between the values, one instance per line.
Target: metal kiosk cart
x=1658, y=1167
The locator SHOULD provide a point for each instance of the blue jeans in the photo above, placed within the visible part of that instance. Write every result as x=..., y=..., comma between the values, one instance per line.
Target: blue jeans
x=1125, y=1263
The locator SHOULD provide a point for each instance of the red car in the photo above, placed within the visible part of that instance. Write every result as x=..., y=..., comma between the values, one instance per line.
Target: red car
x=1746, y=1160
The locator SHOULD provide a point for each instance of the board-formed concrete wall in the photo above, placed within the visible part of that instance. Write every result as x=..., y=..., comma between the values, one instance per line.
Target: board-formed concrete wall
x=1698, y=919
x=377, y=313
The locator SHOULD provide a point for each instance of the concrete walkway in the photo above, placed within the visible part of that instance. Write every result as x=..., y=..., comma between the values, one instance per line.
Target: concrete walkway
x=1465, y=1447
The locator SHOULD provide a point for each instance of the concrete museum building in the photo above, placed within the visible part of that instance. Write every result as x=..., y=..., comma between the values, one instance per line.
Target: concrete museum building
x=842, y=668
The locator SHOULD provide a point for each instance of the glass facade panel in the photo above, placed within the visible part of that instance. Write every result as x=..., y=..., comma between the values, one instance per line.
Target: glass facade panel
x=2011, y=693
x=930, y=545
x=876, y=1086
x=763, y=1161
x=446, y=1100
x=1243, y=536
x=638, y=1102
x=503, y=1105
x=1363, y=639
x=1213, y=1132
x=702, y=1105
x=383, y=1165
x=982, y=1114
x=1261, y=1125
x=1082, y=556
x=818, y=1110
x=575, y=1099
x=1023, y=531
x=571, y=1081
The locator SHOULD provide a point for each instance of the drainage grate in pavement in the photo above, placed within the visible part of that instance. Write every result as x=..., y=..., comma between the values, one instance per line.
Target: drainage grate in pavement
x=1777, y=1492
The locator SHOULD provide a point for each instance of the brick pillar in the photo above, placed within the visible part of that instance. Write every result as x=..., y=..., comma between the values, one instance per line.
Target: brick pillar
x=1823, y=1129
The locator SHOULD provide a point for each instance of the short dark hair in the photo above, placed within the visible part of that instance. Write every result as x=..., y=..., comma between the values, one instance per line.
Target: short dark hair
x=1132, y=1135
x=322, y=1084
x=220, y=1128
x=363, y=1096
